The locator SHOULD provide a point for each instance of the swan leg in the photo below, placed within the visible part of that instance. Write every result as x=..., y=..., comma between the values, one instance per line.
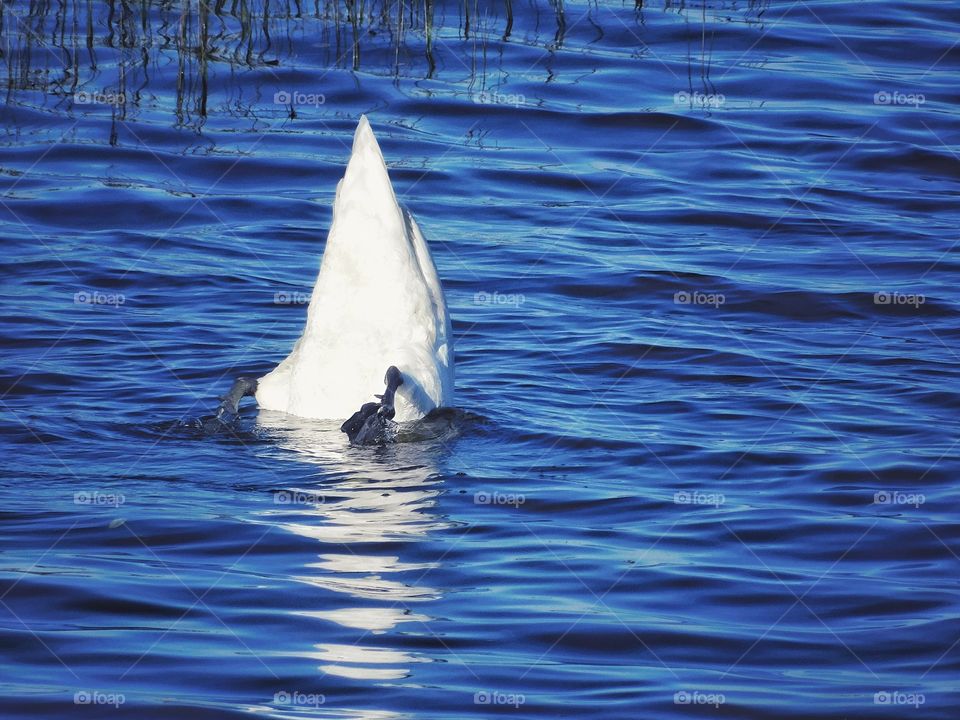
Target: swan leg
x=230, y=403
x=373, y=422
x=229, y=408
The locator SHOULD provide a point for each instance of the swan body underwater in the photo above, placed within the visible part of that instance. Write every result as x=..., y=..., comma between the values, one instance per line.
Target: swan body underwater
x=377, y=317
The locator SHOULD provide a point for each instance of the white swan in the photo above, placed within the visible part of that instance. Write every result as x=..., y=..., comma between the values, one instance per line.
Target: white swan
x=377, y=302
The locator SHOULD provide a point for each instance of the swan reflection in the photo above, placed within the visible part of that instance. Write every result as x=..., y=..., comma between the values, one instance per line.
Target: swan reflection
x=367, y=498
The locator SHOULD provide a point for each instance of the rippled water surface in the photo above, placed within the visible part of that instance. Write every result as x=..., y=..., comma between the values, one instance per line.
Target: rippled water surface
x=701, y=260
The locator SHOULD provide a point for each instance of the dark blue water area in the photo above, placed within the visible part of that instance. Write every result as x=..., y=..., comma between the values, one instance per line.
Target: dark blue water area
x=701, y=260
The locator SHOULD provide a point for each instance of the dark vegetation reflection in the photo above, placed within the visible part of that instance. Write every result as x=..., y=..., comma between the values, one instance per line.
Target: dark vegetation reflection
x=68, y=56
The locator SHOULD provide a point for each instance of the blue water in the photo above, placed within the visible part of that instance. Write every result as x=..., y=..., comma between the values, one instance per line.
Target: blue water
x=702, y=265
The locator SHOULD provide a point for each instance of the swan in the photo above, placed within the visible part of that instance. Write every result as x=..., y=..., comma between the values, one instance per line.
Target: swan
x=377, y=316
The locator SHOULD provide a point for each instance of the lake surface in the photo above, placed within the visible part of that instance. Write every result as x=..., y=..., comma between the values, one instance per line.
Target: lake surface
x=702, y=265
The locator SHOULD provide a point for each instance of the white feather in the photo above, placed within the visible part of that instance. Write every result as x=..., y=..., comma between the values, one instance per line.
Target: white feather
x=377, y=302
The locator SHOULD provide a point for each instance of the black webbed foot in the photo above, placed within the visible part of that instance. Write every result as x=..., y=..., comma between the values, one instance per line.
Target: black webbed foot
x=373, y=423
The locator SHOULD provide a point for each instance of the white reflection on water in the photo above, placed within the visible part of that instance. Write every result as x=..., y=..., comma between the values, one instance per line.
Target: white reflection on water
x=370, y=496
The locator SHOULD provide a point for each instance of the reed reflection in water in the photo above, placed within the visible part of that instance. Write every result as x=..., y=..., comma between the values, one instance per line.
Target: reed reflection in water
x=199, y=61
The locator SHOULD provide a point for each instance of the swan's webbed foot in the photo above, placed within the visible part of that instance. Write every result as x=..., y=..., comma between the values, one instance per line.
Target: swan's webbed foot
x=373, y=423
